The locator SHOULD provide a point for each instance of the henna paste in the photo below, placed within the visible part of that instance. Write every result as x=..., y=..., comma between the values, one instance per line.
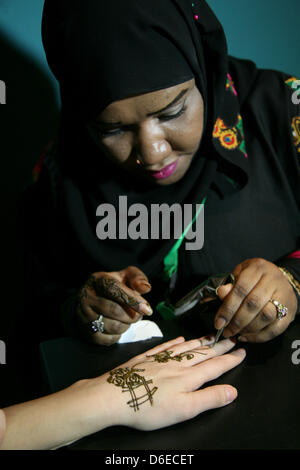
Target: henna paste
x=129, y=380
x=109, y=288
x=165, y=356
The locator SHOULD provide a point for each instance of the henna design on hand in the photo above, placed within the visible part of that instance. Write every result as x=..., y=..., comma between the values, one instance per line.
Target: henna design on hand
x=109, y=288
x=129, y=380
x=165, y=356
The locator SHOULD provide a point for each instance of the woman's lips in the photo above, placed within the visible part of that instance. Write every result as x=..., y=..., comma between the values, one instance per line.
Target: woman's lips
x=165, y=172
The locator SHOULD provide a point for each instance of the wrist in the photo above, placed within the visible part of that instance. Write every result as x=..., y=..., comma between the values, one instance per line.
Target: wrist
x=58, y=419
x=102, y=404
x=294, y=283
x=96, y=408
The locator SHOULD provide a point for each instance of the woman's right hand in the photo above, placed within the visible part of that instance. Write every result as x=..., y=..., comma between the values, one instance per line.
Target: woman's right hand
x=117, y=296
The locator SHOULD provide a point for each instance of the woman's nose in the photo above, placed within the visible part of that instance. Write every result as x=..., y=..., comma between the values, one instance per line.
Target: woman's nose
x=151, y=146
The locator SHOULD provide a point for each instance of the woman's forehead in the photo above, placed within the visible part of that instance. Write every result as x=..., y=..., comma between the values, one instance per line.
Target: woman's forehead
x=152, y=102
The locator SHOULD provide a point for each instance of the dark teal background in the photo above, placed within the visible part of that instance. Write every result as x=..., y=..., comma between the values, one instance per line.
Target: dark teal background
x=266, y=31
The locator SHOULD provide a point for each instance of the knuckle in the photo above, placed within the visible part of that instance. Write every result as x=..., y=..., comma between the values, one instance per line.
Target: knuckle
x=227, y=311
x=251, y=303
x=240, y=290
x=235, y=324
x=268, y=336
x=278, y=328
x=117, y=328
x=131, y=268
x=98, y=274
x=114, y=327
x=114, y=310
x=250, y=328
x=267, y=316
x=82, y=313
x=259, y=262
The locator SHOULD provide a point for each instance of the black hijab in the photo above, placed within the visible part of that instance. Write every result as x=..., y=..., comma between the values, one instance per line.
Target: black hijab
x=105, y=50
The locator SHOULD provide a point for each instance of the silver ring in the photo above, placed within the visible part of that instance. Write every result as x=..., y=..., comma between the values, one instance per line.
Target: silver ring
x=98, y=325
x=281, y=309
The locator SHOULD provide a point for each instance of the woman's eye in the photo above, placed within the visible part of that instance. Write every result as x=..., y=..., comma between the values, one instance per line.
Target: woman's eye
x=169, y=117
x=113, y=132
x=108, y=133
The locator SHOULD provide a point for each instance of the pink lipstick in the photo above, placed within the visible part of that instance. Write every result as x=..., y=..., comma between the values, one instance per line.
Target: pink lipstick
x=165, y=172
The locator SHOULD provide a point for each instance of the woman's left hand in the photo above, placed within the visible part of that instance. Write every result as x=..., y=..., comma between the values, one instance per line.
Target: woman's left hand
x=246, y=309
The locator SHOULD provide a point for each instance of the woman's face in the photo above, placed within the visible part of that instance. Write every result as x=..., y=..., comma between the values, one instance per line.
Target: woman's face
x=154, y=135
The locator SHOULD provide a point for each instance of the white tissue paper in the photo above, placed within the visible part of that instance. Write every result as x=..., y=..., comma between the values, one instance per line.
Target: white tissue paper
x=143, y=329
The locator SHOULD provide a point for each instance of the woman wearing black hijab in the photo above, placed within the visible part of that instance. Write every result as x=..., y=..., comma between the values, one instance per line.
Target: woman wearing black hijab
x=154, y=109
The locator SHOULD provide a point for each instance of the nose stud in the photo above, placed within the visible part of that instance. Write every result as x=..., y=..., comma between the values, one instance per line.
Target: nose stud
x=138, y=161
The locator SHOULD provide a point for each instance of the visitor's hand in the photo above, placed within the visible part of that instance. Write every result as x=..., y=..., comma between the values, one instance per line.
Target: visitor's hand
x=160, y=387
x=152, y=390
x=118, y=297
x=246, y=309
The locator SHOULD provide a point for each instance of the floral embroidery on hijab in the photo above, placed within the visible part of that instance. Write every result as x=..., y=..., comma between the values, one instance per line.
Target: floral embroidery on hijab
x=291, y=82
x=230, y=85
x=296, y=132
x=231, y=137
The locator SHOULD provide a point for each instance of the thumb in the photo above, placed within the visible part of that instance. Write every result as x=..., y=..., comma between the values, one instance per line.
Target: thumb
x=223, y=291
x=136, y=280
x=213, y=397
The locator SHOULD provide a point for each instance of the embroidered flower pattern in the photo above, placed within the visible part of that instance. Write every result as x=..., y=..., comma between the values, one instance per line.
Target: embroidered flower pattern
x=291, y=81
x=296, y=132
x=231, y=137
x=230, y=85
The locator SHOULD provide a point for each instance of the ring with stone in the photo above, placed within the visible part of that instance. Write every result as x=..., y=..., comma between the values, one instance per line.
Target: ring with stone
x=98, y=325
x=281, y=309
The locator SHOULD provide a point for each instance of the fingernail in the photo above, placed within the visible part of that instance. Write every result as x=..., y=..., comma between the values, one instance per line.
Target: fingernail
x=243, y=339
x=145, y=284
x=219, y=323
x=231, y=394
x=146, y=309
x=239, y=352
x=206, y=340
x=209, y=337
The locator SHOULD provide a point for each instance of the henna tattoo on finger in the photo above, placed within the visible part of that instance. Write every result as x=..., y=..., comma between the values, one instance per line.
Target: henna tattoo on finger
x=165, y=356
x=109, y=288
